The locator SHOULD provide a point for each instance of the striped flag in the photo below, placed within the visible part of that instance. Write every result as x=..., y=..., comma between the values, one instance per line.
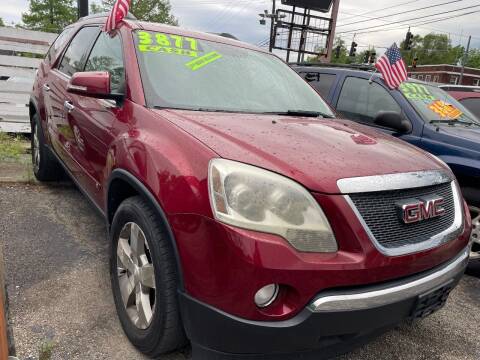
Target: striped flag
x=119, y=11
x=392, y=67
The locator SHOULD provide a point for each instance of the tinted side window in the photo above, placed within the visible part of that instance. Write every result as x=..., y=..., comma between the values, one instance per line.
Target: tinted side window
x=362, y=101
x=324, y=84
x=473, y=105
x=106, y=55
x=58, y=43
x=74, y=56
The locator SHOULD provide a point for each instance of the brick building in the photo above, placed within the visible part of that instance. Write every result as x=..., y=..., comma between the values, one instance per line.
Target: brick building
x=445, y=74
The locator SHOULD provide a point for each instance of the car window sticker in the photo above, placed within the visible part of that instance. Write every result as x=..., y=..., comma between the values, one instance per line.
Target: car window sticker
x=202, y=61
x=445, y=109
x=169, y=44
x=176, y=45
x=416, y=92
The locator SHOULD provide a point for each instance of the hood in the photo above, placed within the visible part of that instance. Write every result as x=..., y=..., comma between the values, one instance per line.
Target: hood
x=314, y=152
x=462, y=133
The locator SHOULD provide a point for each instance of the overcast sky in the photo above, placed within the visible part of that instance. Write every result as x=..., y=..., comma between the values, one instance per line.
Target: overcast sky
x=240, y=18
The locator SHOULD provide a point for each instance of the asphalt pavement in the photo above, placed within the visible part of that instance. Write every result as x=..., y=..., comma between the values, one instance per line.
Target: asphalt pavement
x=57, y=273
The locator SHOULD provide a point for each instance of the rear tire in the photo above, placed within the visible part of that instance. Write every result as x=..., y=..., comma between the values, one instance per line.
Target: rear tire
x=146, y=301
x=45, y=166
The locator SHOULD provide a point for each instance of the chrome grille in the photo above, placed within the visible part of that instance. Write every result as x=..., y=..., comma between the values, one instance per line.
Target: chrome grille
x=379, y=212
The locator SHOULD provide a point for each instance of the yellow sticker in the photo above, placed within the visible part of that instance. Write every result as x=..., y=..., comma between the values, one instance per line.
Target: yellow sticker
x=165, y=43
x=200, y=62
x=166, y=50
x=414, y=91
x=445, y=110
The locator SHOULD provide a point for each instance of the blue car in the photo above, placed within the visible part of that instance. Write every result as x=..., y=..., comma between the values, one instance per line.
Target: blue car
x=419, y=113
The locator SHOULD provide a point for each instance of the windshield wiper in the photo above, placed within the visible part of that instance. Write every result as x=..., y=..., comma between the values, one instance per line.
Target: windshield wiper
x=304, y=113
x=454, y=122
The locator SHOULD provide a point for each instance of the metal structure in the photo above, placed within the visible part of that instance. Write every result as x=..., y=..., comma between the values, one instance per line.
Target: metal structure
x=301, y=32
x=82, y=6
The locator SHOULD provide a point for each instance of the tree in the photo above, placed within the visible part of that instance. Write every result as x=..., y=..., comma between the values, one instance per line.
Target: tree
x=343, y=57
x=1, y=22
x=473, y=59
x=49, y=15
x=148, y=10
x=96, y=8
x=433, y=49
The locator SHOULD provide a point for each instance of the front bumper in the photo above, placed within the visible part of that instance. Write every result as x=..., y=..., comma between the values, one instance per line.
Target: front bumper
x=333, y=323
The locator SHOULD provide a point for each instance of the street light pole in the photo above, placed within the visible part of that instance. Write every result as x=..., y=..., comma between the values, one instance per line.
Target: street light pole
x=272, y=25
x=464, y=60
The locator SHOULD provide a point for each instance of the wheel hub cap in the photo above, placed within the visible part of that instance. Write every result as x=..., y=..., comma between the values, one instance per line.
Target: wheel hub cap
x=136, y=275
x=475, y=237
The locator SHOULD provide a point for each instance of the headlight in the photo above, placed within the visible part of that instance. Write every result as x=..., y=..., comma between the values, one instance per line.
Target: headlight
x=257, y=199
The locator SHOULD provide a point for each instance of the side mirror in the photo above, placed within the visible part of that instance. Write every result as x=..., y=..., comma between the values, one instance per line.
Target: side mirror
x=94, y=84
x=394, y=121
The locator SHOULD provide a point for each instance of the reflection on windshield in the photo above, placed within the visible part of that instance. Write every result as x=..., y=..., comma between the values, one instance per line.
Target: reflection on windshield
x=437, y=106
x=185, y=73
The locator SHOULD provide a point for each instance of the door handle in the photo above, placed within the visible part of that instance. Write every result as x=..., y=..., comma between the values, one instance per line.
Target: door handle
x=68, y=106
x=46, y=87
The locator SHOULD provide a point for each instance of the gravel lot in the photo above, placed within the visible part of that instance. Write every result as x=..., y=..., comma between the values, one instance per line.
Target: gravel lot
x=57, y=273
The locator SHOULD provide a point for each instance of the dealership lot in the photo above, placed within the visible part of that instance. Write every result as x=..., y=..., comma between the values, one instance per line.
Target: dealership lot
x=56, y=258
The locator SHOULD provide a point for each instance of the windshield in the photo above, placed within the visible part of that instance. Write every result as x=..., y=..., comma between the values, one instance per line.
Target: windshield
x=186, y=73
x=437, y=106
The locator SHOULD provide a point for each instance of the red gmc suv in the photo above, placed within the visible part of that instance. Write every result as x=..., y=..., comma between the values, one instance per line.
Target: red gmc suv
x=242, y=215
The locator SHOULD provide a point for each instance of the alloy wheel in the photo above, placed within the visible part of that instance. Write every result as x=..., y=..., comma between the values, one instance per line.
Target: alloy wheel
x=136, y=275
x=475, y=237
x=36, y=149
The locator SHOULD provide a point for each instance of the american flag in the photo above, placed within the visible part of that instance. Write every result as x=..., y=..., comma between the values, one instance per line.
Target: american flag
x=392, y=67
x=119, y=11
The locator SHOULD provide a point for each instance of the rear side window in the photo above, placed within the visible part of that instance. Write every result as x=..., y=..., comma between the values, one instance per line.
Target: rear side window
x=74, y=57
x=472, y=104
x=321, y=82
x=57, y=44
x=107, y=55
x=361, y=100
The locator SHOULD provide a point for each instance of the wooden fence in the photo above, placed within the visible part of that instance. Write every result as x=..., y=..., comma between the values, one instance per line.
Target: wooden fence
x=17, y=73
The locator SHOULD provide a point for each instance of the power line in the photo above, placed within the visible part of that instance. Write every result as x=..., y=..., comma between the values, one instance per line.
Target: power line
x=403, y=12
x=378, y=10
x=408, y=20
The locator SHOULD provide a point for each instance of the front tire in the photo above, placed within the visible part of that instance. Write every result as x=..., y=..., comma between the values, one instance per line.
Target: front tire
x=144, y=279
x=45, y=166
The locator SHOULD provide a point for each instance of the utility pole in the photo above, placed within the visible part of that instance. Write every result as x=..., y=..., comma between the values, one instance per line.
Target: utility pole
x=464, y=60
x=82, y=8
x=272, y=25
x=333, y=26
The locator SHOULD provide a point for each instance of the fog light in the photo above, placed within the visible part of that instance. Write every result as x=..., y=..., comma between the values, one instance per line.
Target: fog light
x=266, y=295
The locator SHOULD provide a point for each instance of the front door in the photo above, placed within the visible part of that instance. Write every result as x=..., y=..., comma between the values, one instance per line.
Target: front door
x=60, y=128
x=92, y=120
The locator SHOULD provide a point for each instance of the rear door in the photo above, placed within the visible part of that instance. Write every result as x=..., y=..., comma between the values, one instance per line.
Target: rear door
x=59, y=128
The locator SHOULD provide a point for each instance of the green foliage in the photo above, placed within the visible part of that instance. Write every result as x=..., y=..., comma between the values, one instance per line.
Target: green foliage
x=343, y=58
x=473, y=59
x=46, y=350
x=1, y=22
x=148, y=10
x=50, y=15
x=433, y=49
x=96, y=8
x=10, y=147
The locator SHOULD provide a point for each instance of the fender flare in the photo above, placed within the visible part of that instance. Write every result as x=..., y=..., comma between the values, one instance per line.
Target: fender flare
x=147, y=195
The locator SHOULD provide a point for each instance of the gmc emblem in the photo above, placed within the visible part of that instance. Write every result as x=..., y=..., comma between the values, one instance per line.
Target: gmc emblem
x=416, y=210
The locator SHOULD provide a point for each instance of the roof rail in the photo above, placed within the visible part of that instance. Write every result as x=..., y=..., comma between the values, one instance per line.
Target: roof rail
x=364, y=67
x=129, y=16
